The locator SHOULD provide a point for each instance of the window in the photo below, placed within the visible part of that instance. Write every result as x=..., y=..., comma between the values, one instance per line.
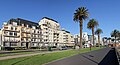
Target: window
x=11, y=28
x=22, y=44
x=34, y=39
x=14, y=23
x=6, y=44
x=15, y=28
x=5, y=27
x=22, y=39
x=26, y=39
x=38, y=35
x=33, y=27
x=13, y=44
x=34, y=31
x=31, y=39
x=34, y=35
x=15, y=33
x=11, y=33
x=5, y=32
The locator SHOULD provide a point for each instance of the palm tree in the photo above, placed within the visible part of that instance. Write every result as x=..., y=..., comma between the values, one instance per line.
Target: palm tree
x=115, y=34
x=80, y=15
x=98, y=32
x=91, y=25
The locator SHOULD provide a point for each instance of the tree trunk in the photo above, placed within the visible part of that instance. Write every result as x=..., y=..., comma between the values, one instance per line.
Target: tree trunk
x=93, y=34
x=115, y=41
x=81, y=24
x=99, y=40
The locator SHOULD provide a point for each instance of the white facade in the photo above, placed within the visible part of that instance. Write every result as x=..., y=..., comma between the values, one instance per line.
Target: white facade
x=52, y=35
x=20, y=33
x=84, y=37
x=50, y=31
x=66, y=38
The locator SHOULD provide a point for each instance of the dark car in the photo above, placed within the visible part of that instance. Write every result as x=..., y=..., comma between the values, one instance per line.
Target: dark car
x=63, y=48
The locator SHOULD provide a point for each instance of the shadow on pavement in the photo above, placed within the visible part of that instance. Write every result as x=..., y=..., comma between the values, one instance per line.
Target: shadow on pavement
x=90, y=59
x=110, y=58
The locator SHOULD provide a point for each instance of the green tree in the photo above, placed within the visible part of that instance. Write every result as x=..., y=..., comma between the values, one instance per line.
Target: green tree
x=80, y=15
x=98, y=32
x=91, y=25
x=115, y=34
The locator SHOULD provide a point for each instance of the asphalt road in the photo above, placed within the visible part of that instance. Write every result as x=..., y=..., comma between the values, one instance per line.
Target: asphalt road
x=90, y=58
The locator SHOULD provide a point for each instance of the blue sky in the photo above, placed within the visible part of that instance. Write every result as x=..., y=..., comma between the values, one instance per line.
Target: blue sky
x=106, y=12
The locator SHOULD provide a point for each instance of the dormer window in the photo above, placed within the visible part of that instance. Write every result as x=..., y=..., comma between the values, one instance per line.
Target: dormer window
x=27, y=26
x=33, y=27
x=22, y=24
x=14, y=23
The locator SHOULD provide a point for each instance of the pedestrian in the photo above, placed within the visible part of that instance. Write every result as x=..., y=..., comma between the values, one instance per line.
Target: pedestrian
x=90, y=47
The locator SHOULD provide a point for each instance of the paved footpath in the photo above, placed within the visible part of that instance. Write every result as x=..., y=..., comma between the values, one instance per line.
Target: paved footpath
x=24, y=55
x=90, y=58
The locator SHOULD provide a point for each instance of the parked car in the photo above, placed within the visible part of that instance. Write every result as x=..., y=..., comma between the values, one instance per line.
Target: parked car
x=63, y=48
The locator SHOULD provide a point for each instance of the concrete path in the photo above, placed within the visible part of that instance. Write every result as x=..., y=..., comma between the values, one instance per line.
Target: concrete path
x=90, y=58
x=24, y=55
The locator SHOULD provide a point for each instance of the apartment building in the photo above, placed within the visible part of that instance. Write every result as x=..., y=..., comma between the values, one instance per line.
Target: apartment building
x=50, y=29
x=84, y=37
x=21, y=33
x=52, y=35
x=66, y=38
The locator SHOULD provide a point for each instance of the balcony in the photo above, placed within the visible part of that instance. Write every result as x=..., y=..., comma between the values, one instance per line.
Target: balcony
x=36, y=37
x=25, y=40
x=14, y=41
x=36, y=33
x=11, y=30
x=26, y=36
x=27, y=32
x=35, y=41
x=6, y=35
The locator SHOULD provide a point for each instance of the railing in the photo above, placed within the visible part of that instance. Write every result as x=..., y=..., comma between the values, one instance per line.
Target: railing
x=7, y=35
x=11, y=30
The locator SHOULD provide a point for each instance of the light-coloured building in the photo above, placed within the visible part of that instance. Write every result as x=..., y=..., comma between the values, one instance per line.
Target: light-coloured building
x=50, y=30
x=52, y=35
x=85, y=37
x=66, y=38
x=20, y=33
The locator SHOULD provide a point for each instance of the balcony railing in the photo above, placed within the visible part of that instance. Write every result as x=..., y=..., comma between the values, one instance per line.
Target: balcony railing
x=11, y=40
x=6, y=35
x=11, y=30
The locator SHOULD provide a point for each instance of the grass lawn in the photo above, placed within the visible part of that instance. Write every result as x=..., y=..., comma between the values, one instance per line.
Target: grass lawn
x=43, y=58
x=18, y=53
